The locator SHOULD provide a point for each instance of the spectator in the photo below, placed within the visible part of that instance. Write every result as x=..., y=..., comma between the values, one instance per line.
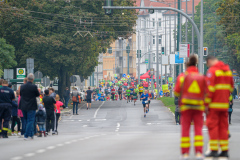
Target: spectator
x=66, y=96
x=89, y=97
x=177, y=111
x=41, y=120
x=28, y=104
x=52, y=92
x=15, y=118
x=75, y=95
x=59, y=105
x=49, y=104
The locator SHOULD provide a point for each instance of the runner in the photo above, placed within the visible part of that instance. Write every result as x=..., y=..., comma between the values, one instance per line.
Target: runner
x=140, y=88
x=144, y=98
x=120, y=92
x=132, y=83
x=131, y=94
x=113, y=90
x=128, y=93
x=89, y=93
x=135, y=96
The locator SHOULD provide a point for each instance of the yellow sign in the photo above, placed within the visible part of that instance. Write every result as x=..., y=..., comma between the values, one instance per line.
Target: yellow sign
x=128, y=76
x=194, y=88
x=165, y=87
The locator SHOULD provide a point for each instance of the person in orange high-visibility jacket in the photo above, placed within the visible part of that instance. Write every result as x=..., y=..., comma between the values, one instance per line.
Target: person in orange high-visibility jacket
x=191, y=89
x=220, y=84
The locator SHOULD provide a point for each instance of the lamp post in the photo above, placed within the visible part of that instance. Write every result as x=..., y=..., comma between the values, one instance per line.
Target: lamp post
x=128, y=51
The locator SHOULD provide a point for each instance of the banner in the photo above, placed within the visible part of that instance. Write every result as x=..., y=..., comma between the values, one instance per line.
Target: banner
x=165, y=87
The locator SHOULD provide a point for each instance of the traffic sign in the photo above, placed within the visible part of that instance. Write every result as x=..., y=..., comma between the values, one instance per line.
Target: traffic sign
x=124, y=75
x=128, y=76
x=73, y=79
x=45, y=81
x=184, y=50
x=21, y=73
x=146, y=60
x=38, y=75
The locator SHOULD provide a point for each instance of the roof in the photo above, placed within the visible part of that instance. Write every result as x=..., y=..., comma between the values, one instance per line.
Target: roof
x=166, y=3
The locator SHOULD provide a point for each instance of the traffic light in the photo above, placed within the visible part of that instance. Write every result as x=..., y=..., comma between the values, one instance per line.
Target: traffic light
x=109, y=3
x=151, y=11
x=139, y=54
x=128, y=49
x=162, y=50
x=205, y=51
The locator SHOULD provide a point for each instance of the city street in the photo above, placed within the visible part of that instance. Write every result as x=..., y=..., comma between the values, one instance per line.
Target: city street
x=112, y=131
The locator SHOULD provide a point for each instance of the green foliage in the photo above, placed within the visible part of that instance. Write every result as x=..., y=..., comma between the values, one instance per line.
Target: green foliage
x=47, y=31
x=168, y=102
x=229, y=12
x=213, y=33
x=7, y=56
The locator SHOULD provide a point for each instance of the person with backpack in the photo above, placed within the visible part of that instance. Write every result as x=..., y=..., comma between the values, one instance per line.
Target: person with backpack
x=191, y=88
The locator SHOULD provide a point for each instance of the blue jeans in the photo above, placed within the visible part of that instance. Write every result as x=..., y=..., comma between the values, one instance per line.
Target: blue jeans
x=23, y=126
x=41, y=127
x=29, y=117
x=75, y=106
x=66, y=101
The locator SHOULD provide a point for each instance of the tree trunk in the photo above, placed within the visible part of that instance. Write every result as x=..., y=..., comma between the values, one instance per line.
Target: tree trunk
x=61, y=81
x=68, y=83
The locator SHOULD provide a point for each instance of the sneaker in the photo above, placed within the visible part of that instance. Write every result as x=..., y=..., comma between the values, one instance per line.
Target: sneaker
x=53, y=133
x=19, y=133
x=14, y=134
x=223, y=154
x=27, y=139
x=146, y=111
x=199, y=156
x=77, y=114
x=177, y=124
x=212, y=154
x=144, y=115
x=185, y=156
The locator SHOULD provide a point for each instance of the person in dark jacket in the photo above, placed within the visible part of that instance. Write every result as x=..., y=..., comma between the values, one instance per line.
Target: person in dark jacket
x=230, y=110
x=28, y=105
x=41, y=119
x=177, y=111
x=66, y=96
x=15, y=117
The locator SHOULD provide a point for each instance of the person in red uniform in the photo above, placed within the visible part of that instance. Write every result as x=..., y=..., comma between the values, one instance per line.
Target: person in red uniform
x=155, y=84
x=191, y=89
x=220, y=85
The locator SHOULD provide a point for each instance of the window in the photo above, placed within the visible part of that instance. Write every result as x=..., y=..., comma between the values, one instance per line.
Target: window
x=153, y=22
x=160, y=39
x=153, y=39
x=159, y=22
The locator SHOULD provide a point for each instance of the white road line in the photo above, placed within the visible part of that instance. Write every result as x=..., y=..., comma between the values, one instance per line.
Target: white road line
x=100, y=119
x=60, y=145
x=16, y=158
x=40, y=151
x=118, y=125
x=68, y=142
x=84, y=125
x=95, y=115
x=51, y=147
x=29, y=154
x=116, y=130
x=80, y=120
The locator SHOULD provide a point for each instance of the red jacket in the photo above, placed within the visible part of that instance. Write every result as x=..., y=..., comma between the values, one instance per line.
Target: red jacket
x=191, y=90
x=220, y=85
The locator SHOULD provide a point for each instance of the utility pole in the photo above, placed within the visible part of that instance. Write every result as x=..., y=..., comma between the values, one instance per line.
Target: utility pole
x=165, y=48
x=201, y=40
x=139, y=57
x=180, y=35
x=192, y=27
x=170, y=40
x=186, y=29
x=157, y=78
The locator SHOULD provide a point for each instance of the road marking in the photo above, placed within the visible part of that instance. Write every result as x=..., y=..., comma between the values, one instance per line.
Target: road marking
x=100, y=119
x=116, y=130
x=29, y=154
x=84, y=125
x=80, y=120
x=118, y=125
x=51, y=147
x=74, y=141
x=16, y=158
x=60, y=145
x=68, y=142
x=95, y=115
x=149, y=123
x=40, y=151
x=88, y=120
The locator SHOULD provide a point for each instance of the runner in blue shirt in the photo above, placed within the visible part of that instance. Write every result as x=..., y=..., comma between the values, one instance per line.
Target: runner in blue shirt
x=145, y=98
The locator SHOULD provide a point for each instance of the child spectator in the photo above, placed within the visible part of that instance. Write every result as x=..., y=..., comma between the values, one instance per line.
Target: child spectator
x=41, y=119
x=15, y=117
x=59, y=105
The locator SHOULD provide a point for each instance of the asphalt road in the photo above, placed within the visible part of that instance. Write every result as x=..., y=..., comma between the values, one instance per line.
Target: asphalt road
x=112, y=131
